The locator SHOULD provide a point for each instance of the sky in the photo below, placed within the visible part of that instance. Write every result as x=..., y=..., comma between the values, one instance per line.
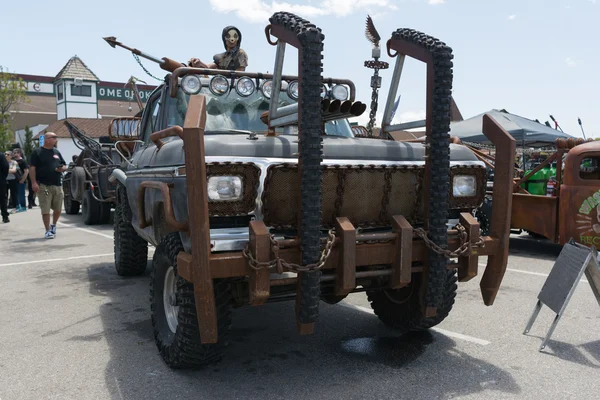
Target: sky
x=531, y=57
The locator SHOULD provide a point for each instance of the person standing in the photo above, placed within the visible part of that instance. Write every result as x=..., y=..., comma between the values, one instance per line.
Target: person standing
x=11, y=180
x=3, y=174
x=24, y=167
x=47, y=166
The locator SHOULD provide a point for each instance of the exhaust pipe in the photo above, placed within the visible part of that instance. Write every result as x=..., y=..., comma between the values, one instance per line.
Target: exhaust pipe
x=118, y=175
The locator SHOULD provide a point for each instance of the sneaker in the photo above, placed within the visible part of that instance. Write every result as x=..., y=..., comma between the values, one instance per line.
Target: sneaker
x=53, y=229
x=49, y=235
x=21, y=209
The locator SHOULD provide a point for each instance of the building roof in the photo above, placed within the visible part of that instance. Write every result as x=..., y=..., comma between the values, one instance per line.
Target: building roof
x=75, y=68
x=92, y=127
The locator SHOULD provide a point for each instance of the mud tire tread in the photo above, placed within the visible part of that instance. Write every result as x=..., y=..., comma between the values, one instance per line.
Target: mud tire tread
x=131, y=251
x=184, y=349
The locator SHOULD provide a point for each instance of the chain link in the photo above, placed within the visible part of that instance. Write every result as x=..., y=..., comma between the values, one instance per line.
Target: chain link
x=137, y=58
x=462, y=250
x=281, y=265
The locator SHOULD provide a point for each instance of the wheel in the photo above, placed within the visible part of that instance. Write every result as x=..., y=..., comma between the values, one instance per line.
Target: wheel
x=71, y=206
x=131, y=251
x=484, y=216
x=90, y=208
x=77, y=182
x=105, y=209
x=173, y=308
x=401, y=309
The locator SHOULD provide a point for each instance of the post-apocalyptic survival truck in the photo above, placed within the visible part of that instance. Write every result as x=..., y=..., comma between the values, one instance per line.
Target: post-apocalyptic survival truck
x=254, y=189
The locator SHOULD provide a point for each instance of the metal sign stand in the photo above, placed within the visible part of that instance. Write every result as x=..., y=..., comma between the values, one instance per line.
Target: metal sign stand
x=574, y=260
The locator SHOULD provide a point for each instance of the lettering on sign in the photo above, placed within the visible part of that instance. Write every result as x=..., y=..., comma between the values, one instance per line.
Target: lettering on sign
x=588, y=220
x=106, y=93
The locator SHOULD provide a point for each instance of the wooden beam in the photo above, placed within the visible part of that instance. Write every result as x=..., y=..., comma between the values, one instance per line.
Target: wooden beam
x=467, y=265
x=402, y=263
x=259, y=280
x=346, y=268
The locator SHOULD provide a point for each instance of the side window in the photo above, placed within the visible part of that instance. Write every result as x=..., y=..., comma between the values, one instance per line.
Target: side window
x=152, y=117
x=590, y=168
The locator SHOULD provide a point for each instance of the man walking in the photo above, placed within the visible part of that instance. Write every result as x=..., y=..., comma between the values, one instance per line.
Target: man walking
x=47, y=166
x=3, y=188
x=21, y=183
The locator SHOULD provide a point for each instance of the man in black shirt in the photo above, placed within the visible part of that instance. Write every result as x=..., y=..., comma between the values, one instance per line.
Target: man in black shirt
x=3, y=174
x=47, y=166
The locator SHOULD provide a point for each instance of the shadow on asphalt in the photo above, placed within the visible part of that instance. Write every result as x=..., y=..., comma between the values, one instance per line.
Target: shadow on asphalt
x=350, y=356
x=526, y=246
x=569, y=352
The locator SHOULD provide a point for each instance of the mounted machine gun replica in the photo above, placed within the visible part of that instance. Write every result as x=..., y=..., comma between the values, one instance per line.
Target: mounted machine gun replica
x=254, y=189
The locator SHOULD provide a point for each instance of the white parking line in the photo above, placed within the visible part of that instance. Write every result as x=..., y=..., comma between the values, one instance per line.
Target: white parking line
x=56, y=259
x=444, y=332
x=529, y=272
x=86, y=230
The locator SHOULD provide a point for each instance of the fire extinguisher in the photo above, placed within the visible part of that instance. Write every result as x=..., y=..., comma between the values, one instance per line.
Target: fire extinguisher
x=550, y=187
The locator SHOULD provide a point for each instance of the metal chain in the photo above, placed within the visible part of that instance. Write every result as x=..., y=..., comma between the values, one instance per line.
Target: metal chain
x=374, y=97
x=462, y=249
x=280, y=264
x=137, y=58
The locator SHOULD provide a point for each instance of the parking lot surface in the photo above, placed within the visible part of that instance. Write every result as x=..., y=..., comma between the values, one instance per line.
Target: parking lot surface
x=71, y=328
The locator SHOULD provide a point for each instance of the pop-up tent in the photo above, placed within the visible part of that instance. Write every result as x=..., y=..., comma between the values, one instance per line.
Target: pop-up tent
x=525, y=131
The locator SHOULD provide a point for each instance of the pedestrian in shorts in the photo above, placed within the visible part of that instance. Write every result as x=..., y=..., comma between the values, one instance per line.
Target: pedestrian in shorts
x=46, y=168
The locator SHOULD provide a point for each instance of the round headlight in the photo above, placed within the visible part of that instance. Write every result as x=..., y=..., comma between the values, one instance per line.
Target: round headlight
x=191, y=84
x=339, y=92
x=245, y=86
x=219, y=85
x=292, y=90
x=267, y=89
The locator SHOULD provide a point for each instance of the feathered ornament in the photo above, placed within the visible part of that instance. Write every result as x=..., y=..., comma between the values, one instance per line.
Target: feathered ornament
x=371, y=33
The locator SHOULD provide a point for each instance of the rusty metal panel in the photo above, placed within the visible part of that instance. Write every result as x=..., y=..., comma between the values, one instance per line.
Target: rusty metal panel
x=346, y=268
x=402, y=264
x=259, y=280
x=535, y=214
x=468, y=266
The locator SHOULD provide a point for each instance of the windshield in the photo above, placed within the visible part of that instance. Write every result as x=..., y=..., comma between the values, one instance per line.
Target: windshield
x=231, y=112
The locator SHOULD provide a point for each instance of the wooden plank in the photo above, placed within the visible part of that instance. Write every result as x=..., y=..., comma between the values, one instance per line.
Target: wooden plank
x=184, y=266
x=402, y=262
x=197, y=200
x=260, y=246
x=468, y=265
x=345, y=280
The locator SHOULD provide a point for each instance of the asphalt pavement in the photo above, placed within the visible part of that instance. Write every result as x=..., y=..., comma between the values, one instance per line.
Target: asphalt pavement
x=71, y=328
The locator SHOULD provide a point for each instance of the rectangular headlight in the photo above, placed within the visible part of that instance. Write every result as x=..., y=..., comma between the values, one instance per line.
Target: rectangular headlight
x=464, y=186
x=225, y=188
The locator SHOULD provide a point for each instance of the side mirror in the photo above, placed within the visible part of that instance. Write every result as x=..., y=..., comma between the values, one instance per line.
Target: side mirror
x=124, y=129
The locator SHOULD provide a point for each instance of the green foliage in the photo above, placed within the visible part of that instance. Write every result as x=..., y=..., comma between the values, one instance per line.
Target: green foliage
x=12, y=93
x=28, y=144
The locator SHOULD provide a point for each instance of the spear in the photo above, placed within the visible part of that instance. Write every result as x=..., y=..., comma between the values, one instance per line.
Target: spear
x=165, y=63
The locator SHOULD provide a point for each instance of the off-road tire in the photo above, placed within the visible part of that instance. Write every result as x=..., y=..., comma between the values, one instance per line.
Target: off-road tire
x=77, y=182
x=71, y=206
x=131, y=251
x=311, y=150
x=105, y=209
x=90, y=209
x=438, y=159
x=407, y=315
x=183, y=348
x=484, y=216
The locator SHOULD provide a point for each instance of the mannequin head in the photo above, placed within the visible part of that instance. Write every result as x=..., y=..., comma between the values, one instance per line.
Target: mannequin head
x=232, y=38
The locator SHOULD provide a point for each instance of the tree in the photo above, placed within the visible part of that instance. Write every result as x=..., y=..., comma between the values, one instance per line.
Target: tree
x=12, y=93
x=28, y=144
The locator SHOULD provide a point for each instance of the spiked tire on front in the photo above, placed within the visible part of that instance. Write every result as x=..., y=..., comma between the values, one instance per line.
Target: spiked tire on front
x=131, y=251
x=401, y=309
x=438, y=158
x=311, y=143
x=182, y=348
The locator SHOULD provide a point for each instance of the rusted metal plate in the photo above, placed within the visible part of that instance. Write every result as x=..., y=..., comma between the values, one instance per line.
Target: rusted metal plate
x=500, y=221
x=259, y=280
x=535, y=214
x=468, y=266
x=232, y=264
x=197, y=199
x=346, y=268
x=401, y=266
x=579, y=215
x=285, y=35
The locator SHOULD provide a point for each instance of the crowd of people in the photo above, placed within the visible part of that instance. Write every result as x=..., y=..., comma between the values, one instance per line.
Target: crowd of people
x=15, y=184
